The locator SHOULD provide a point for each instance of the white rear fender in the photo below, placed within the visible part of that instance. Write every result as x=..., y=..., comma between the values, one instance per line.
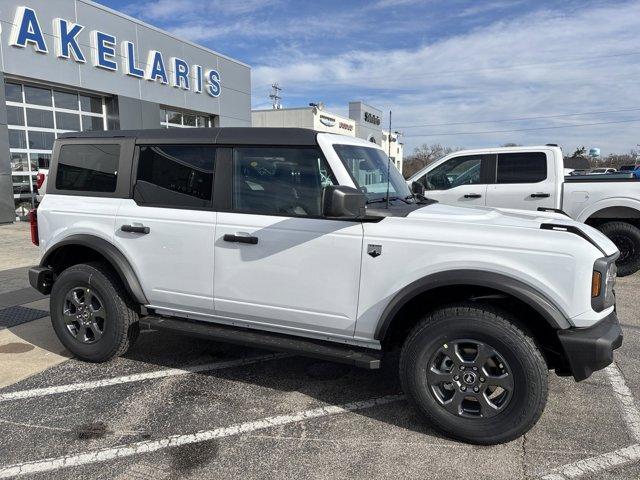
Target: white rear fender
x=613, y=203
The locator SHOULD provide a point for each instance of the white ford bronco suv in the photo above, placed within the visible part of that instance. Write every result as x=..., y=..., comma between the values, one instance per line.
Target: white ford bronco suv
x=312, y=243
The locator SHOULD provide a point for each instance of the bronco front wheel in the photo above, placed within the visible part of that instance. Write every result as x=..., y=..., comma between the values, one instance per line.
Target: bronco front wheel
x=475, y=375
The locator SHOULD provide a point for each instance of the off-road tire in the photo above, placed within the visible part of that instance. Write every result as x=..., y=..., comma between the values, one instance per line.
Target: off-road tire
x=121, y=327
x=498, y=330
x=627, y=238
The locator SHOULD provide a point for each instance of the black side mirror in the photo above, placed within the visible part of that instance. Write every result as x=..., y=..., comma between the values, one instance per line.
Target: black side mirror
x=340, y=201
x=417, y=188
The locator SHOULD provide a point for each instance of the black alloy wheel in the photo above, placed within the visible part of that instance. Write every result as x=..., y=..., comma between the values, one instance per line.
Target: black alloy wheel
x=470, y=379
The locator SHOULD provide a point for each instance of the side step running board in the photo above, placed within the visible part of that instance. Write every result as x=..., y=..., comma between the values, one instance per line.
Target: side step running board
x=359, y=357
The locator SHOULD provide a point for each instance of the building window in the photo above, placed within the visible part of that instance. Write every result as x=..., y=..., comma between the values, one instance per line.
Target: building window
x=171, y=118
x=36, y=116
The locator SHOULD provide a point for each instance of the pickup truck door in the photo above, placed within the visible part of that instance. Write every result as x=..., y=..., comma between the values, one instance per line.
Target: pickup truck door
x=460, y=180
x=524, y=180
x=279, y=264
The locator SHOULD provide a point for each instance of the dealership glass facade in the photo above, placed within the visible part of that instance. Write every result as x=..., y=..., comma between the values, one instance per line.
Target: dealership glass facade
x=36, y=116
x=56, y=79
x=171, y=118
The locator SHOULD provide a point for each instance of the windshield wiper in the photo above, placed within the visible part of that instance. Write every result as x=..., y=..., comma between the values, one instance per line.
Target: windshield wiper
x=380, y=200
x=384, y=199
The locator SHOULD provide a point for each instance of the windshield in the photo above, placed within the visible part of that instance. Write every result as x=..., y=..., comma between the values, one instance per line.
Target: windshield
x=368, y=168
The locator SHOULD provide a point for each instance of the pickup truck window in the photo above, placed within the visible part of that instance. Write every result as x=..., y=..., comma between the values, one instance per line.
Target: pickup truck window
x=455, y=172
x=175, y=176
x=368, y=168
x=279, y=181
x=527, y=167
x=88, y=168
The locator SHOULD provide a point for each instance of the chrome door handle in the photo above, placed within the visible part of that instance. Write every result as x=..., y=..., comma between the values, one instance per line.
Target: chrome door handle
x=540, y=195
x=473, y=195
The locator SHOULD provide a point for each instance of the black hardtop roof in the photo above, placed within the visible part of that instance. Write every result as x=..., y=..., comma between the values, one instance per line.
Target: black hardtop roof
x=223, y=136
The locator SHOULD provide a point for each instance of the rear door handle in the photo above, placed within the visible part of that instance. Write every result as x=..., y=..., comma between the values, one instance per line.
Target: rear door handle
x=135, y=229
x=473, y=195
x=240, y=239
x=540, y=195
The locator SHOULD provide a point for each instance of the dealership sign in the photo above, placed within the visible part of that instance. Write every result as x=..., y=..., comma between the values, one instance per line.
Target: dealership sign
x=371, y=118
x=327, y=121
x=26, y=31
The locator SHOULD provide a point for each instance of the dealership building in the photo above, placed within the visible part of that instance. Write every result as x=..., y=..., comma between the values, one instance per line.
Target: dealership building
x=70, y=65
x=364, y=121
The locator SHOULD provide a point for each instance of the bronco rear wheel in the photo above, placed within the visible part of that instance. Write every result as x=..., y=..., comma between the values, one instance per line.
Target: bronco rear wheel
x=92, y=314
x=475, y=375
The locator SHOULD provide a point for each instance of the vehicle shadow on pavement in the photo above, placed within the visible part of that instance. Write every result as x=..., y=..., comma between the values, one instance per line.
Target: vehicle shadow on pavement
x=326, y=382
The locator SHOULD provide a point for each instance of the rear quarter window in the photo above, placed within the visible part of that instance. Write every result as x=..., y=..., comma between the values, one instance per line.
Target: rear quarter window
x=175, y=176
x=88, y=167
x=525, y=167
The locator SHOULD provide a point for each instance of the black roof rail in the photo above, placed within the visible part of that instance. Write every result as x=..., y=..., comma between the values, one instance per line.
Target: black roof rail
x=219, y=135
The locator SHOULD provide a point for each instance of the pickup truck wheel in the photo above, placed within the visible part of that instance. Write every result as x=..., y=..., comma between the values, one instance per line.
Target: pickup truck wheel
x=627, y=238
x=91, y=313
x=474, y=374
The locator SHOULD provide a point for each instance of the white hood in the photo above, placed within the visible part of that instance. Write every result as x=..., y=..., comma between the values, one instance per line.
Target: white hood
x=507, y=217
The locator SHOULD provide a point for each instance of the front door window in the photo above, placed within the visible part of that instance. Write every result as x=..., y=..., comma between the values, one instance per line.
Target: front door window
x=279, y=181
x=453, y=173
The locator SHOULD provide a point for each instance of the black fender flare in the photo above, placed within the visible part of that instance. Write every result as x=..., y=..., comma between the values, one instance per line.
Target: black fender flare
x=496, y=281
x=109, y=251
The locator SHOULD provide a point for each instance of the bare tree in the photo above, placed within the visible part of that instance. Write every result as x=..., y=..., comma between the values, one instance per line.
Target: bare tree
x=616, y=160
x=580, y=152
x=423, y=156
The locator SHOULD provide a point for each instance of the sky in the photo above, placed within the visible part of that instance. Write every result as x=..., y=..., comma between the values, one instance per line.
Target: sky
x=455, y=72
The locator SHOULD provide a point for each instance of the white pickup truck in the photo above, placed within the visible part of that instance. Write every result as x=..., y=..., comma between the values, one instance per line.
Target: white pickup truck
x=533, y=178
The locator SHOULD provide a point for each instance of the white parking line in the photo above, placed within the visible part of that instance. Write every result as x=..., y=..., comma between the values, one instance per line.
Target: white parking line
x=625, y=399
x=600, y=463
x=104, y=454
x=620, y=457
x=107, y=382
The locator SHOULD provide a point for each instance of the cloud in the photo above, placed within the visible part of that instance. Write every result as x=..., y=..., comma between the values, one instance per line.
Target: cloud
x=487, y=7
x=541, y=63
x=395, y=3
x=184, y=10
x=436, y=62
x=289, y=31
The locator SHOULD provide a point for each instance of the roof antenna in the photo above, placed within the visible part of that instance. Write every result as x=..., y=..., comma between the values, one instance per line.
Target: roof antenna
x=388, y=158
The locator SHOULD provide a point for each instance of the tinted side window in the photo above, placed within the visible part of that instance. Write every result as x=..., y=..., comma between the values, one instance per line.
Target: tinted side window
x=279, y=181
x=455, y=172
x=528, y=167
x=88, y=168
x=175, y=175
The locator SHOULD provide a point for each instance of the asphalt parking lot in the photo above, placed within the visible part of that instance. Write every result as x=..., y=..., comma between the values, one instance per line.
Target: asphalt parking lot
x=177, y=407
